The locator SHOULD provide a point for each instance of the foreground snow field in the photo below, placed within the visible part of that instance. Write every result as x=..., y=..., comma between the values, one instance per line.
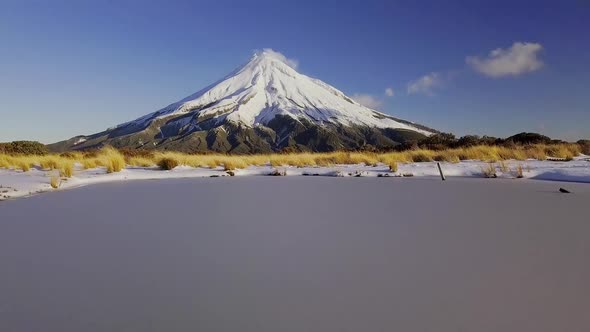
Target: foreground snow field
x=292, y=254
x=15, y=183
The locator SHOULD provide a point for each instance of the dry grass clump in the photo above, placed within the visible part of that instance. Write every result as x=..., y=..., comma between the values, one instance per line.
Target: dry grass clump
x=72, y=155
x=498, y=153
x=489, y=171
x=303, y=160
x=55, y=182
x=421, y=156
x=66, y=169
x=256, y=160
x=518, y=155
x=450, y=156
x=7, y=161
x=400, y=157
x=330, y=159
x=184, y=159
x=137, y=153
x=90, y=163
x=324, y=159
x=392, y=166
x=367, y=158
x=211, y=161
x=293, y=159
x=141, y=158
x=107, y=157
x=50, y=162
x=24, y=165
x=519, y=172
x=506, y=154
x=504, y=167
x=140, y=161
x=22, y=162
x=65, y=164
x=168, y=163
x=230, y=164
x=4, y=163
x=389, y=160
x=567, y=151
x=111, y=158
x=278, y=160
x=535, y=152
x=483, y=153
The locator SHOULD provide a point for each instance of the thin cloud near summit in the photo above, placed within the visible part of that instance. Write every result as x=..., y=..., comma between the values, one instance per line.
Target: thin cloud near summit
x=367, y=100
x=293, y=63
x=425, y=84
x=389, y=92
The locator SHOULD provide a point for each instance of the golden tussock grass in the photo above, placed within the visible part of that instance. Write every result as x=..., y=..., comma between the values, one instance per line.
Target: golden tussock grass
x=309, y=159
x=4, y=162
x=230, y=164
x=66, y=169
x=450, y=157
x=567, y=151
x=140, y=161
x=21, y=162
x=504, y=167
x=50, y=162
x=489, y=171
x=392, y=166
x=167, y=163
x=519, y=172
x=24, y=165
x=114, y=160
x=90, y=163
x=55, y=182
x=108, y=157
x=422, y=156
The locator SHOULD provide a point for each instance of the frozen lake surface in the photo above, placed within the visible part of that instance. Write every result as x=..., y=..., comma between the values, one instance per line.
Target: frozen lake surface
x=298, y=254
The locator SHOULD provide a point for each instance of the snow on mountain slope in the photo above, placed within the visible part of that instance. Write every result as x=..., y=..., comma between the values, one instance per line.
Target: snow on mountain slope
x=268, y=86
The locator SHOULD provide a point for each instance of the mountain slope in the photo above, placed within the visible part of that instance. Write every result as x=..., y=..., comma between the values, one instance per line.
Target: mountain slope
x=264, y=106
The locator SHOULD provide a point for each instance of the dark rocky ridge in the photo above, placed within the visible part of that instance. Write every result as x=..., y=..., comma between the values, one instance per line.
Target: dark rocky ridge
x=282, y=132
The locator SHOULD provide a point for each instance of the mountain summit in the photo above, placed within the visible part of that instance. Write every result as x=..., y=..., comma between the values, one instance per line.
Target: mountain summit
x=263, y=106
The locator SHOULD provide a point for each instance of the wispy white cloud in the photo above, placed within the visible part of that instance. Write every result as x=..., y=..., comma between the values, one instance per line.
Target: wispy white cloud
x=367, y=100
x=293, y=63
x=425, y=84
x=389, y=92
x=519, y=59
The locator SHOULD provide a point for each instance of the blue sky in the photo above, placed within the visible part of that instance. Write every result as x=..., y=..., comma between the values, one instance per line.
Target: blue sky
x=79, y=67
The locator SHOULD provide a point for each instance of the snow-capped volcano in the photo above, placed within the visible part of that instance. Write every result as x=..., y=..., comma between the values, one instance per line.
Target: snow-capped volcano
x=267, y=86
x=267, y=94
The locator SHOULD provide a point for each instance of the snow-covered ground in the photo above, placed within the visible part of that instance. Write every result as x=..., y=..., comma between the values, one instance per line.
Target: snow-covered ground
x=291, y=254
x=15, y=183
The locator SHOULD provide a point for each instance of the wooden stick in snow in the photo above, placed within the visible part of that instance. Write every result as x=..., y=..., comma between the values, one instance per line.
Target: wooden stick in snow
x=442, y=176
